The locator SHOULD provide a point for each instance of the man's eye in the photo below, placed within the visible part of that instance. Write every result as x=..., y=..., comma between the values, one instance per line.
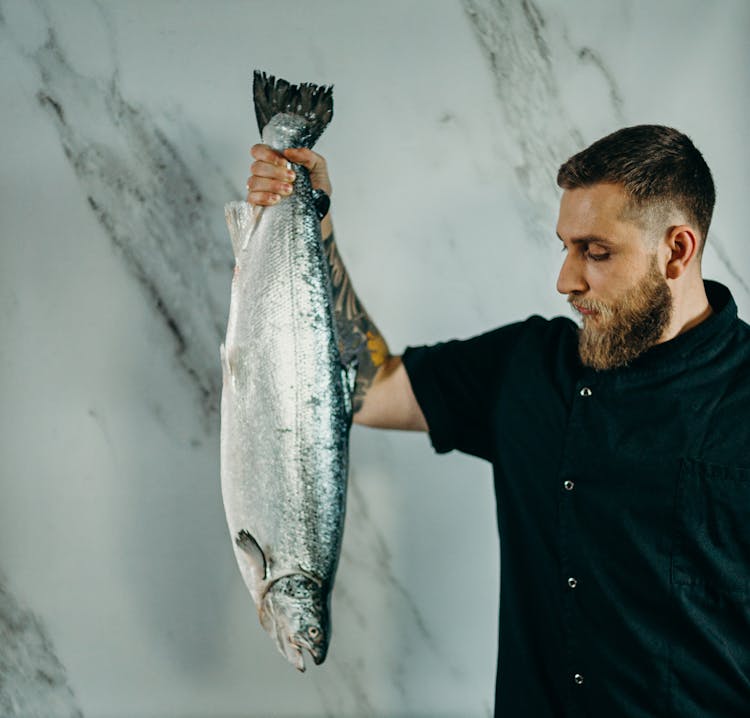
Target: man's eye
x=598, y=257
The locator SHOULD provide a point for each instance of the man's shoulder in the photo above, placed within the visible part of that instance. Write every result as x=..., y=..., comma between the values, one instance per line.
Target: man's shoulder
x=737, y=351
x=535, y=343
x=531, y=340
x=535, y=332
x=534, y=327
x=743, y=331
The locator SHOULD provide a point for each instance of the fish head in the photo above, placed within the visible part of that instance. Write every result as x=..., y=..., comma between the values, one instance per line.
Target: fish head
x=297, y=605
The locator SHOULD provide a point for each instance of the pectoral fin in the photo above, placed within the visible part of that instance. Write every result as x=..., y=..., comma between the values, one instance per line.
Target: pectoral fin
x=348, y=381
x=254, y=553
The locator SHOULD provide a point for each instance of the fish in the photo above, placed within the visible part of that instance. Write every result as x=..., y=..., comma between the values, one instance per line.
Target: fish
x=286, y=400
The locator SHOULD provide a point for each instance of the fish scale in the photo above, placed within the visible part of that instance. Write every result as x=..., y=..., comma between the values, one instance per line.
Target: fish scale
x=286, y=397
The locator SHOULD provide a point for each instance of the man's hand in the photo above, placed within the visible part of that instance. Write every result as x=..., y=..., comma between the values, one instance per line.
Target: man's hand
x=271, y=178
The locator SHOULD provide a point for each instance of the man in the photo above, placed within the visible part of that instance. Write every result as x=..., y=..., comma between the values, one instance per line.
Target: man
x=620, y=451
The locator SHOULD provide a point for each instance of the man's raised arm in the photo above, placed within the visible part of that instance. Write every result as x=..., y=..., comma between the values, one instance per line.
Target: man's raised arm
x=383, y=396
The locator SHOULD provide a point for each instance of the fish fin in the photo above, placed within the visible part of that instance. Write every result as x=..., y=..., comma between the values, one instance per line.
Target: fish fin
x=224, y=362
x=348, y=381
x=254, y=553
x=313, y=102
x=241, y=221
x=228, y=365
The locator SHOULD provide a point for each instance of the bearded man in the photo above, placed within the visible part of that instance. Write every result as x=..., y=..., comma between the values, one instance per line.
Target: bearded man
x=620, y=450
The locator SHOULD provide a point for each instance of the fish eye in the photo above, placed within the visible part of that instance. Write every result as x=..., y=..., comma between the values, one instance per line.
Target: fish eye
x=313, y=632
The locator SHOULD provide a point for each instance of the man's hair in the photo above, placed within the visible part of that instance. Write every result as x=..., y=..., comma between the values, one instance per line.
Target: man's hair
x=659, y=167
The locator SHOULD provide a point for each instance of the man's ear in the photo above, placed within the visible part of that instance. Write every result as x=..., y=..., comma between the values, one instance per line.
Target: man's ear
x=684, y=245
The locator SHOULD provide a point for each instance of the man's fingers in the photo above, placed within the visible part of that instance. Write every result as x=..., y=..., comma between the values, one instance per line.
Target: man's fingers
x=265, y=154
x=270, y=174
x=299, y=155
x=264, y=191
x=303, y=156
x=314, y=163
x=270, y=178
x=263, y=199
x=263, y=184
x=261, y=168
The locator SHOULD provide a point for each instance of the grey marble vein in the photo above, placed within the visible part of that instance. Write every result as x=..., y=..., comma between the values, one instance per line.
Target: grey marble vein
x=33, y=681
x=167, y=545
x=380, y=553
x=715, y=244
x=150, y=205
x=347, y=687
x=511, y=37
x=354, y=675
x=536, y=23
x=588, y=55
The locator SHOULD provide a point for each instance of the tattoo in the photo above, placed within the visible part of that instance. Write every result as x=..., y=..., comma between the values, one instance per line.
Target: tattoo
x=359, y=338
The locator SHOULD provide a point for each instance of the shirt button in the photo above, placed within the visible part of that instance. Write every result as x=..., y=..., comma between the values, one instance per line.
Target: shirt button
x=572, y=582
x=578, y=678
x=568, y=485
x=585, y=391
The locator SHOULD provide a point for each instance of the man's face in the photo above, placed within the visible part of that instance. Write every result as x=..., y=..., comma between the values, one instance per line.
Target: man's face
x=611, y=275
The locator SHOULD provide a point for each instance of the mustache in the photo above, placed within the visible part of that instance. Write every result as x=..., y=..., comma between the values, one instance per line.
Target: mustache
x=591, y=305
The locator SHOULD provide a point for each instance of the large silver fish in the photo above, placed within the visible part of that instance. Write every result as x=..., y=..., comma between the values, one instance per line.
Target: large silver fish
x=286, y=397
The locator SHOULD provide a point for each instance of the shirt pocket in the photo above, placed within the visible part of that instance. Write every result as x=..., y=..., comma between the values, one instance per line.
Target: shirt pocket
x=711, y=550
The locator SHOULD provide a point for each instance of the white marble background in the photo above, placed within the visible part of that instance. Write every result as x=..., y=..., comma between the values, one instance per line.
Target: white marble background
x=125, y=127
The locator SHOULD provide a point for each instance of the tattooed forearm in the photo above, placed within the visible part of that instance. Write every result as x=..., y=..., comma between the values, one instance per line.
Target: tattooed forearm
x=359, y=338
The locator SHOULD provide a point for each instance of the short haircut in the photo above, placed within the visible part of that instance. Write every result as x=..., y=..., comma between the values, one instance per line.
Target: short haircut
x=659, y=168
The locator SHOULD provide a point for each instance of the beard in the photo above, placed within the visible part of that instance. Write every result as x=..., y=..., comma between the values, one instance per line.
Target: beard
x=622, y=331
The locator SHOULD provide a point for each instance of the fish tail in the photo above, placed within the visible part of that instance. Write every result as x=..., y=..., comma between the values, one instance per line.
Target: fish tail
x=313, y=102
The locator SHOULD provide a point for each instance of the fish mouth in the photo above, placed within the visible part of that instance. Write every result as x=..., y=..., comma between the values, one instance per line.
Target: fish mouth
x=317, y=653
x=294, y=649
x=295, y=657
x=295, y=654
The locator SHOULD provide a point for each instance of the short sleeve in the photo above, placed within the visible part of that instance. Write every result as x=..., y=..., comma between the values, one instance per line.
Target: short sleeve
x=456, y=382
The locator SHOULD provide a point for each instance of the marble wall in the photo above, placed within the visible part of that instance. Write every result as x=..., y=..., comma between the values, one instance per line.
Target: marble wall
x=126, y=126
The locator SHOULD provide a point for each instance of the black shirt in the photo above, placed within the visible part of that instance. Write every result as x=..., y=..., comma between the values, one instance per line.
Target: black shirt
x=623, y=507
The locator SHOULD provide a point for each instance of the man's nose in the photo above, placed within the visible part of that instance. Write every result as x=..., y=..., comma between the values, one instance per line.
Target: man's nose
x=571, y=279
